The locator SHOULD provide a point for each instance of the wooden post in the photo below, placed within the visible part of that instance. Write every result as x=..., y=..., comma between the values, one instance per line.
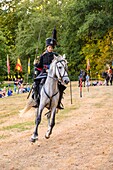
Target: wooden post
x=71, y=92
x=80, y=87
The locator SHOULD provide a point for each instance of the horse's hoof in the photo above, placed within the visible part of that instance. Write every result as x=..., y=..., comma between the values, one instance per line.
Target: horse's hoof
x=34, y=139
x=47, y=137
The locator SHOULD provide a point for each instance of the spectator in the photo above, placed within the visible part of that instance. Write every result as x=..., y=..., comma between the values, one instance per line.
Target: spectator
x=4, y=92
x=87, y=80
x=95, y=83
x=9, y=92
x=99, y=83
x=0, y=93
x=20, y=81
x=20, y=86
x=24, y=89
x=28, y=88
x=15, y=84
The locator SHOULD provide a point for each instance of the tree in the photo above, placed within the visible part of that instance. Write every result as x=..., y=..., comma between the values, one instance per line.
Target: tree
x=84, y=31
x=3, y=49
x=87, y=23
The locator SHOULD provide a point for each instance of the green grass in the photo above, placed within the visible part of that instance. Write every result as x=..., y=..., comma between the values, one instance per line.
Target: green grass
x=7, y=114
x=19, y=126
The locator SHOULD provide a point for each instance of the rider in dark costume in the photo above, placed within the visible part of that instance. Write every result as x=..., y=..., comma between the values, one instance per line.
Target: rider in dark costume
x=43, y=65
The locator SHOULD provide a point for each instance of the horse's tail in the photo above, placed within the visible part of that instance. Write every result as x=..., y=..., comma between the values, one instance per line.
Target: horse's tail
x=28, y=106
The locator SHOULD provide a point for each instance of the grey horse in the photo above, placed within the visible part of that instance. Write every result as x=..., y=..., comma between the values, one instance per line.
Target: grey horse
x=49, y=95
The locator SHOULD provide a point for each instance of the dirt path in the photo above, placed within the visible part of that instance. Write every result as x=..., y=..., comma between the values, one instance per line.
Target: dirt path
x=82, y=138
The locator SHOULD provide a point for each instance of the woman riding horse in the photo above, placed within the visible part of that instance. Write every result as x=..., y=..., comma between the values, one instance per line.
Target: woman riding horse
x=42, y=67
x=49, y=94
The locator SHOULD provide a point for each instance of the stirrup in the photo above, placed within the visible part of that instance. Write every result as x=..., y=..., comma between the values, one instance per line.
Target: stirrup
x=59, y=106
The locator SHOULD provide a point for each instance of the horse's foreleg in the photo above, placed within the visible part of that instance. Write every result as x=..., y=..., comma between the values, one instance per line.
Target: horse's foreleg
x=51, y=124
x=37, y=121
x=48, y=117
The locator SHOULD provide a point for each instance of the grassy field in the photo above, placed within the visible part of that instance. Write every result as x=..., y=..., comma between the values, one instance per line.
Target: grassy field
x=82, y=138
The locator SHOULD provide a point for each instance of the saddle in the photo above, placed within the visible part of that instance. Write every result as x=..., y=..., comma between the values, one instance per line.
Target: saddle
x=37, y=85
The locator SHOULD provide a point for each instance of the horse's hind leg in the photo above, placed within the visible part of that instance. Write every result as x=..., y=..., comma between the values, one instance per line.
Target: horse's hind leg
x=37, y=121
x=51, y=124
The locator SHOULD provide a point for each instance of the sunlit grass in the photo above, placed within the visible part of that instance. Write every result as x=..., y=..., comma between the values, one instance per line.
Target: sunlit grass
x=19, y=126
x=4, y=115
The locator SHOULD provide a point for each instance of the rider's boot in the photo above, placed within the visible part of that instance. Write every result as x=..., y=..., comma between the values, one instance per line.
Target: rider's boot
x=60, y=105
x=61, y=90
x=35, y=94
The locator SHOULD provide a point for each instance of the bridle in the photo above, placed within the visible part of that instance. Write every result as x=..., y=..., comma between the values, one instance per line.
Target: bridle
x=65, y=69
x=60, y=76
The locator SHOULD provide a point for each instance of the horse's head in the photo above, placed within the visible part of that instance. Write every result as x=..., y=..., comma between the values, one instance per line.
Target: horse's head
x=61, y=69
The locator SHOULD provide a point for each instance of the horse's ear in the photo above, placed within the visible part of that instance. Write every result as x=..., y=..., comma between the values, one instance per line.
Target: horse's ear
x=55, y=57
x=64, y=56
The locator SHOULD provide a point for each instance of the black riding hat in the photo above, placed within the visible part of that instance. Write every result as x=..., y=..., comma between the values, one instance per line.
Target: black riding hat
x=51, y=42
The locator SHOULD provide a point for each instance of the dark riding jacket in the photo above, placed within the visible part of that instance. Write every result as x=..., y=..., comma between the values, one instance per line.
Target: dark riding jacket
x=45, y=60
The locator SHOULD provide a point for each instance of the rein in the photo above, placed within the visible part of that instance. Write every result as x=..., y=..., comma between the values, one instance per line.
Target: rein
x=50, y=97
x=56, y=79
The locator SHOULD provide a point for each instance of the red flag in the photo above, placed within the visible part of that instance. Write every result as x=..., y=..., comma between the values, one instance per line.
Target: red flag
x=8, y=65
x=18, y=65
x=88, y=65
